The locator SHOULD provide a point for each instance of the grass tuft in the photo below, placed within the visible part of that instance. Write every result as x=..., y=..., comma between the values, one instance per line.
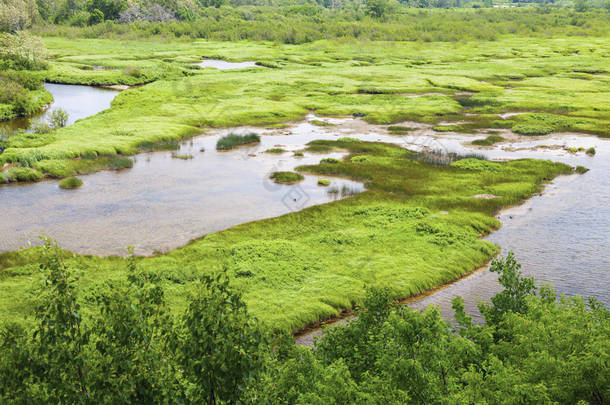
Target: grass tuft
x=233, y=140
x=70, y=183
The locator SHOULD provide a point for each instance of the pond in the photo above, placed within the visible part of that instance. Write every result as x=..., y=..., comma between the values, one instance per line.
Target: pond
x=164, y=202
x=224, y=65
x=78, y=101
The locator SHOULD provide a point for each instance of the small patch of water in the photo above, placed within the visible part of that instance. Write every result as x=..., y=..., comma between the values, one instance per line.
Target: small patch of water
x=224, y=65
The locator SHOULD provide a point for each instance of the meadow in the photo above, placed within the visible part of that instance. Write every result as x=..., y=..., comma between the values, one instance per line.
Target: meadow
x=556, y=84
x=417, y=226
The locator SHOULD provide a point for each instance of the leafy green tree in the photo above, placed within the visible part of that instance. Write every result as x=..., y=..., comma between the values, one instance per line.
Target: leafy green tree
x=516, y=289
x=96, y=17
x=581, y=5
x=378, y=8
x=58, y=118
x=220, y=348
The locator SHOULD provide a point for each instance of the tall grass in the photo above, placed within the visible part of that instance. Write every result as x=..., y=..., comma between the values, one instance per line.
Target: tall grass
x=233, y=140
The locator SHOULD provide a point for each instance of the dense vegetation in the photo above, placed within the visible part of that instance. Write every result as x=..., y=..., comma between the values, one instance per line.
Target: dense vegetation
x=417, y=226
x=129, y=348
x=557, y=84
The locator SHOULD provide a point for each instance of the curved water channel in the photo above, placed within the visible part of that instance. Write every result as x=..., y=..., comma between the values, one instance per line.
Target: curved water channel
x=559, y=237
x=78, y=101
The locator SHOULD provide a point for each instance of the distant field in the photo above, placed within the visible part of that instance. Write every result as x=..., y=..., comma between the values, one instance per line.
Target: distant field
x=560, y=84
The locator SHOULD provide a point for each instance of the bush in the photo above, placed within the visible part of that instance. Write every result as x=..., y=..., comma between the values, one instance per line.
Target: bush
x=275, y=150
x=58, y=118
x=233, y=140
x=323, y=182
x=329, y=161
x=590, y=152
x=70, y=183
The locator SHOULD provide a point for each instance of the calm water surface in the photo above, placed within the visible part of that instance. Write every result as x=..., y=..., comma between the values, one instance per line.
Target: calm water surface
x=79, y=101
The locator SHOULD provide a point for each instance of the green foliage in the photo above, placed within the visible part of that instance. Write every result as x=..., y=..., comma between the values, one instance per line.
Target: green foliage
x=70, y=183
x=490, y=140
x=391, y=235
x=590, y=152
x=286, y=177
x=126, y=348
x=96, y=17
x=275, y=150
x=323, y=182
x=220, y=348
x=549, y=350
x=233, y=140
x=58, y=118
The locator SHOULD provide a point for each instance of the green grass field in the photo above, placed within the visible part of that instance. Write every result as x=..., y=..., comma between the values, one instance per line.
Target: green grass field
x=305, y=266
x=560, y=84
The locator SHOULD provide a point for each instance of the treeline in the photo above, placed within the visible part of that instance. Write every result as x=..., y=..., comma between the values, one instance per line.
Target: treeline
x=124, y=346
x=21, y=89
x=294, y=26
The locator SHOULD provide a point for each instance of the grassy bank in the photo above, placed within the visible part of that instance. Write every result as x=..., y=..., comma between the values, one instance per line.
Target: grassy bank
x=559, y=84
x=306, y=266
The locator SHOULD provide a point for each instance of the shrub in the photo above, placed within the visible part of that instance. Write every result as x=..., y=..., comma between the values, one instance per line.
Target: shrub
x=329, y=161
x=233, y=140
x=323, y=182
x=58, y=118
x=590, y=152
x=298, y=154
x=275, y=150
x=70, y=183
x=286, y=177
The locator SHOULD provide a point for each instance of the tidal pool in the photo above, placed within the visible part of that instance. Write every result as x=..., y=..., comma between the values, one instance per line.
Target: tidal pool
x=78, y=101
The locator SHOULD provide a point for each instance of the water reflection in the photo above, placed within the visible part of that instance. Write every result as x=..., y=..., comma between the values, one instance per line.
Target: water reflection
x=78, y=101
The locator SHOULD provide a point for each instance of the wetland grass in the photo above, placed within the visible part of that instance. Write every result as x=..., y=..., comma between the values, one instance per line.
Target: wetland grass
x=286, y=177
x=70, y=183
x=388, y=236
x=489, y=141
x=232, y=141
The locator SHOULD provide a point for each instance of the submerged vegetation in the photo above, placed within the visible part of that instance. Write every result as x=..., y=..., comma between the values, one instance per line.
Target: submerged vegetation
x=233, y=140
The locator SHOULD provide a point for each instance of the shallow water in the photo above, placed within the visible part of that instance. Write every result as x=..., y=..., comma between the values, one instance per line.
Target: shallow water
x=164, y=202
x=78, y=101
x=559, y=237
x=224, y=65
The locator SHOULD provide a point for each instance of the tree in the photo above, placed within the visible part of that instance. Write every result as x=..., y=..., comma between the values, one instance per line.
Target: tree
x=378, y=8
x=581, y=5
x=58, y=118
x=220, y=347
x=96, y=17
